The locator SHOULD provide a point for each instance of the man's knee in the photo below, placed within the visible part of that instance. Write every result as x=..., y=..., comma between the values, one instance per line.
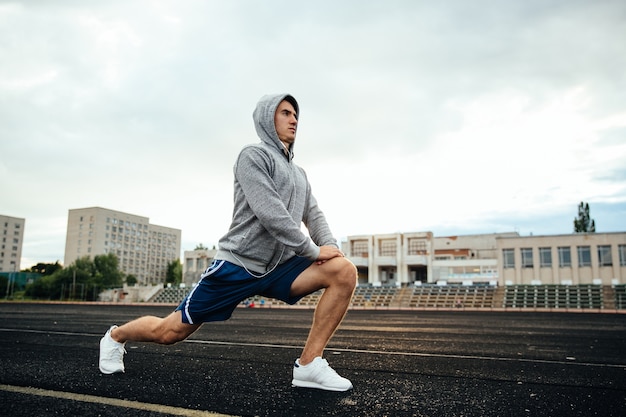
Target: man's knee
x=347, y=273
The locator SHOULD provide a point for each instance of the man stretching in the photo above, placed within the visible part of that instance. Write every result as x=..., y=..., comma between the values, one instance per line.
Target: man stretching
x=263, y=253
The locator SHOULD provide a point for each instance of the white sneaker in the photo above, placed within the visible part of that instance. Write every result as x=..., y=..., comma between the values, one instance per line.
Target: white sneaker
x=318, y=374
x=111, y=354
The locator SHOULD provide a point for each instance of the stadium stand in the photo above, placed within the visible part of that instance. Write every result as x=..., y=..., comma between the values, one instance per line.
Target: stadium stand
x=452, y=296
x=620, y=296
x=553, y=296
x=171, y=295
x=584, y=296
x=368, y=296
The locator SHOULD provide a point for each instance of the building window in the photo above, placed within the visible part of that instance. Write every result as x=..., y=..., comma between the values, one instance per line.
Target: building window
x=565, y=257
x=359, y=248
x=621, y=249
x=545, y=257
x=417, y=247
x=387, y=248
x=604, y=255
x=527, y=257
x=508, y=258
x=584, y=256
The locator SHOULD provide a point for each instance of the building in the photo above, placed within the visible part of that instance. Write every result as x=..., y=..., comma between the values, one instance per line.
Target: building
x=574, y=259
x=392, y=259
x=469, y=259
x=143, y=249
x=12, y=231
x=490, y=259
x=196, y=262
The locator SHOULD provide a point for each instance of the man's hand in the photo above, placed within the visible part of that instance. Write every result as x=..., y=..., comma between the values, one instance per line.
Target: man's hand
x=328, y=252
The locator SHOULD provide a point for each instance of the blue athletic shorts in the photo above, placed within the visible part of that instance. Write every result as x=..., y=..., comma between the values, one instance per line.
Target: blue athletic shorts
x=224, y=285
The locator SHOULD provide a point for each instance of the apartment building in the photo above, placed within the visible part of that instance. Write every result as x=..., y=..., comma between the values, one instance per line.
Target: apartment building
x=12, y=238
x=492, y=259
x=143, y=249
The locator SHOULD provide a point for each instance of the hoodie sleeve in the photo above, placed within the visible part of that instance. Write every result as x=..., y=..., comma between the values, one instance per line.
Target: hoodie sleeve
x=315, y=222
x=252, y=172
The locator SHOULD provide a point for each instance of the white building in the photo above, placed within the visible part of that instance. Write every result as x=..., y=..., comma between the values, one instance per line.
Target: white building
x=580, y=258
x=392, y=259
x=143, y=249
x=12, y=238
x=196, y=262
x=494, y=259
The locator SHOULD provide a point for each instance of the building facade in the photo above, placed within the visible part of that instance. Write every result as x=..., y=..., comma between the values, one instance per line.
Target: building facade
x=392, y=259
x=12, y=233
x=581, y=258
x=196, y=262
x=143, y=249
x=489, y=259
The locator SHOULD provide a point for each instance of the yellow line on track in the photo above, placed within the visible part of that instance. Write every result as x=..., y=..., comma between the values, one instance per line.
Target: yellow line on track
x=136, y=405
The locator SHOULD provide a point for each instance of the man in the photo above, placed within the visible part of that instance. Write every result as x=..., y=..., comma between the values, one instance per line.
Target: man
x=263, y=253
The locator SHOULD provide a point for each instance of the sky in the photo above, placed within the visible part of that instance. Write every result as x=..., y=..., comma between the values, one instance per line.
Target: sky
x=454, y=117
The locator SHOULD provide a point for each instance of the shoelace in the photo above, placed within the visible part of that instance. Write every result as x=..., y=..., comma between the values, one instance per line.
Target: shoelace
x=117, y=351
x=324, y=364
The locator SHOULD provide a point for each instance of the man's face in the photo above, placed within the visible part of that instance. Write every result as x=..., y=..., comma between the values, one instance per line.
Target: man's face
x=286, y=122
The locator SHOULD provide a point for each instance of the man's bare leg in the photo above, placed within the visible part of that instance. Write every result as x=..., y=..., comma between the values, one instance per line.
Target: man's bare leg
x=338, y=276
x=166, y=331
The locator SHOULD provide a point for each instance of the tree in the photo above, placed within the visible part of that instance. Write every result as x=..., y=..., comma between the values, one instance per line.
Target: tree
x=174, y=273
x=45, y=268
x=107, y=272
x=200, y=246
x=584, y=223
x=84, y=279
x=43, y=289
x=70, y=282
x=131, y=280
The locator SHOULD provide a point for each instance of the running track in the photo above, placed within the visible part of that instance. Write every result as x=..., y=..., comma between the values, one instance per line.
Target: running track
x=402, y=363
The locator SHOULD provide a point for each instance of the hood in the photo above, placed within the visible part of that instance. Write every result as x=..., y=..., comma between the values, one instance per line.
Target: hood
x=264, y=119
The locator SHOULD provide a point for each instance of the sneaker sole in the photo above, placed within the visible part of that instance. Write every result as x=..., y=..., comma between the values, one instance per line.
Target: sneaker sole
x=309, y=384
x=118, y=371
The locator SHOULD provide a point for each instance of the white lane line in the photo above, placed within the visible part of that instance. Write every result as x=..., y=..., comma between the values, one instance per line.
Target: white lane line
x=569, y=362
x=136, y=405
x=426, y=355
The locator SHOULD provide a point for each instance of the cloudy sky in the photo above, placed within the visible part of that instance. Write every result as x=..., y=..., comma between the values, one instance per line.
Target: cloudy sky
x=453, y=116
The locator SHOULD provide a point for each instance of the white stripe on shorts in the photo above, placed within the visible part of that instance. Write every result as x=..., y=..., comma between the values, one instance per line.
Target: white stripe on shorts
x=210, y=270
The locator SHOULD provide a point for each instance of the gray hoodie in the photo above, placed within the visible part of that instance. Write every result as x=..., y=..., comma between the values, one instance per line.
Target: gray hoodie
x=272, y=199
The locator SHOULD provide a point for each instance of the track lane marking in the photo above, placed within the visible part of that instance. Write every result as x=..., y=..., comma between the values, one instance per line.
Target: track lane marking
x=426, y=355
x=364, y=351
x=136, y=405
